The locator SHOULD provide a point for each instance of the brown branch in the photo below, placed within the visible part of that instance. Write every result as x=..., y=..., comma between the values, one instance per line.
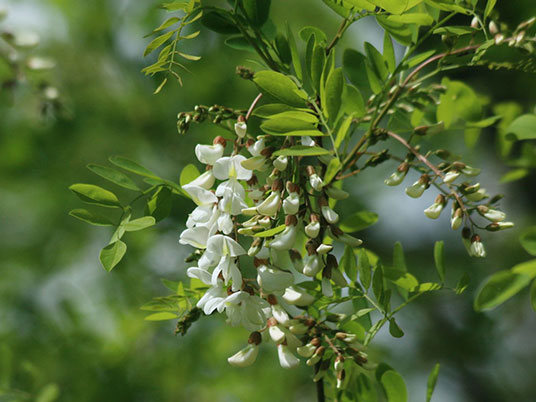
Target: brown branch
x=252, y=106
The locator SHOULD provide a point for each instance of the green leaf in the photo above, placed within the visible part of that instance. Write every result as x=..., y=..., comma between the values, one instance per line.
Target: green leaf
x=399, y=262
x=334, y=88
x=359, y=221
x=257, y=11
x=306, y=32
x=238, y=42
x=394, y=329
x=484, y=123
x=377, y=282
x=336, y=6
x=489, y=7
x=333, y=168
x=365, y=389
x=188, y=174
x=404, y=34
x=374, y=81
x=432, y=380
x=219, y=21
x=377, y=61
x=412, y=18
x=498, y=288
x=140, y=224
x=114, y=176
x=157, y=42
x=528, y=240
x=533, y=295
x=353, y=64
x=167, y=23
x=514, y=175
x=301, y=150
x=459, y=101
x=364, y=268
x=91, y=217
x=271, y=109
x=348, y=263
x=394, y=386
x=525, y=268
x=92, y=194
x=396, y=6
x=420, y=58
x=405, y=280
x=159, y=88
x=283, y=48
x=280, y=87
x=296, y=114
x=455, y=30
x=271, y=232
x=159, y=206
x=317, y=64
x=389, y=52
x=295, y=55
x=131, y=166
x=439, y=259
x=162, y=316
x=462, y=283
x=343, y=131
x=112, y=254
x=49, y=393
x=352, y=102
x=426, y=287
x=522, y=128
x=284, y=125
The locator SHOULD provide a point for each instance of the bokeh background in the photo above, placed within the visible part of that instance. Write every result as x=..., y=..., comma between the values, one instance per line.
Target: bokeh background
x=70, y=331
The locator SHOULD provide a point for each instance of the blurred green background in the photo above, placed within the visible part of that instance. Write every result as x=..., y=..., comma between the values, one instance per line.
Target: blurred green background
x=65, y=321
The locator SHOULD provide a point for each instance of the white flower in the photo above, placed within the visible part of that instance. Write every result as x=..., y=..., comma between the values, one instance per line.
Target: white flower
x=202, y=274
x=230, y=167
x=396, y=178
x=306, y=351
x=286, y=239
x=221, y=245
x=225, y=223
x=200, y=195
x=280, y=314
x=316, y=182
x=286, y=358
x=255, y=163
x=324, y=249
x=307, y=141
x=270, y=205
x=240, y=129
x=330, y=215
x=313, y=229
x=291, y=204
x=200, y=215
x=277, y=335
x=257, y=147
x=298, y=297
x=281, y=162
x=456, y=219
x=246, y=310
x=477, y=195
x=196, y=237
x=434, y=210
x=209, y=154
x=245, y=357
x=205, y=180
x=233, y=195
x=229, y=270
x=213, y=299
x=313, y=266
x=273, y=280
x=477, y=248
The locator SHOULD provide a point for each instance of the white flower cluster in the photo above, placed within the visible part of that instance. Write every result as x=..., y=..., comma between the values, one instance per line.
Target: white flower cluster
x=233, y=208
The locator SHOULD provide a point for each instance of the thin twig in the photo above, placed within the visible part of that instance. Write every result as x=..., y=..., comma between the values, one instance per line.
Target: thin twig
x=252, y=106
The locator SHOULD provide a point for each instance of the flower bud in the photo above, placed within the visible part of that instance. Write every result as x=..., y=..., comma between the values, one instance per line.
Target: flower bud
x=496, y=226
x=417, y=188
x=451, y=176
x=324, y=249
x=299, y=329
x=456, y=218
x=316, y=182
x=313, y=229
x=240, y=127
x=307, y=350
x=338, y=278
x=256, y=148
x=297, y=297
x=317, y=355
x=474, y=23
x=286, y=239
x=499, y=38
x=286, y=358
x=276, y=334
x=477, y=195
x=327, y=289
x=434, y=210
x=291, y=204
x=313, y=266
x=279, y=313
x=329, y=214
x=340, y=379
x=281, y=162
x=273, y=280
x=398, y=176
x=477, y=248
x=338, y=365
x=345, y=238
x=493, y=28
x=254, y=163
x=491, y=214
x=255, y=247
x=270, y=205
x=470, y=171
x=244, y=358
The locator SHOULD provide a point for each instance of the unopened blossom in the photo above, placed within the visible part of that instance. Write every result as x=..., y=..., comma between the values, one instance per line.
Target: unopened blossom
x=345, y=238
x=255, y=163
x=491, y=214
x=307, y=141
x=298, y=328
x=281, y=162
x=417, y=188
x=256, y=147
x=451, y=176
x=329, y=214
x=317, y=355
x=245, y=357
x=477, y=195
x=276, y=334
x=327, y=289
x=273, y=280
x=316, y=182
x=313, y=229
x=496, y=226
x=324, y=249
x=398, y=176
x=477, y=248
x=313, y=265
x=470, y=171
x=306, y=350
x=297, y=296
x=279, y=313
x=456, y=218
x=286, y=357
x=240, y=127
x=434, y=210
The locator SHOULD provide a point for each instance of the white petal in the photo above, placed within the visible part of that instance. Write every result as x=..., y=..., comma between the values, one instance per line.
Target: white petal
x=313, y=266
x=206, y=180
x=196, y=237
x=201, y=274
x=286, y=239
x=291, y=204
x=223, y=245
x=297, y=297
x=277, y=335
x=330, y=215
x=244, y=358
x=273, y=280
x=279, y=313
x=240, y=129
x=286, y=358
x=270, y=205
x=200, y=195
x=209, y=154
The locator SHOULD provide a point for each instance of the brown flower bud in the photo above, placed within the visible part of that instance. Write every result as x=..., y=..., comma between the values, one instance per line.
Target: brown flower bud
x=277, y=185
x=219, y=140
x=255, y=338
x=315, y=342
x=271, y=299
x=291, y=220
x=294, y=255
x=331, y=261
x=310, y=170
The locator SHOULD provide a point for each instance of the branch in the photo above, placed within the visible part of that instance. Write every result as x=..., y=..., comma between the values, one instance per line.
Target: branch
x=252, y=106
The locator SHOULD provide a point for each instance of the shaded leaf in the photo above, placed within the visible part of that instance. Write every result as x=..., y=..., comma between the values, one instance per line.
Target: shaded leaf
x=302, y=150
x=359, y=221
x=91, y=217
x=112, y=254
x=439, y=259
x=432, y=380
x=114, y=176
x=394, y=386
